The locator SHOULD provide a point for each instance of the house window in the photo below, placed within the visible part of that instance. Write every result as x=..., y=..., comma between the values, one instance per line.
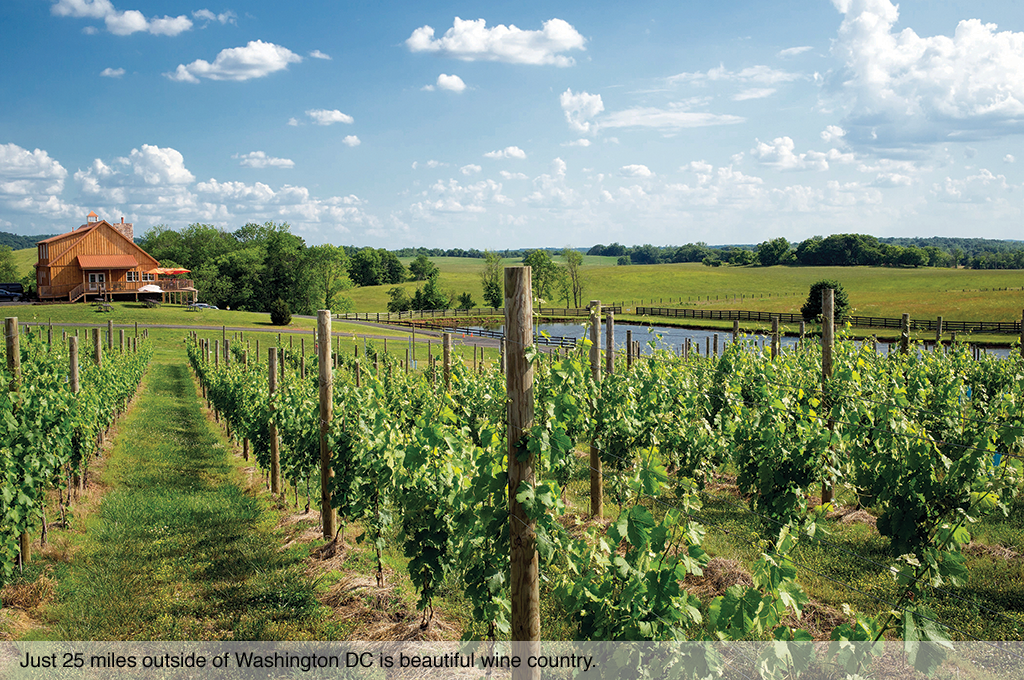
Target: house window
x=132, y=275
x=148, y=277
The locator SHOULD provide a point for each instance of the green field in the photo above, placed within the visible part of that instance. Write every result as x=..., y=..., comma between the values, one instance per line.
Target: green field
x=956, y=294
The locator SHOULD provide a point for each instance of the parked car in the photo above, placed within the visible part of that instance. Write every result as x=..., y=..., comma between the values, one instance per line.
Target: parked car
x=12, y=292
x=203, y=305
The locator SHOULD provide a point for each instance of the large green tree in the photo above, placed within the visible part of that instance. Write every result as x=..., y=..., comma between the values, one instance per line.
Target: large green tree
x=8, y=272
x=493, y=279
x=572, y=281
x=545, y=273
x=773, y=252
x=328, y=266
x=421, y=268
x=811, y=309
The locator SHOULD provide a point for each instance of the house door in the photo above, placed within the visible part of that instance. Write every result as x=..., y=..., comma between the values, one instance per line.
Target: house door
x=96, y=280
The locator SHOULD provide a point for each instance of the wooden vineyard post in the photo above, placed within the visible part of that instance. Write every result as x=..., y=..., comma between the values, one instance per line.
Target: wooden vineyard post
x=827, y=343
x=525, y=582
x=596, y=481
x=447, y=346
x=629, y=349
x=110, y=335
x=326, y=412
x=74, y=383
x=938, y=332
x=776, y=340
x=735, y=331
x=501, y=358
x=716, y=344
x=407, y=361
x=13, y=347
x=97, y=348
x=803, y=330
x=227, y=352
x=275, y=445
x=609, y=343
x=120, y=339
x=905, y=334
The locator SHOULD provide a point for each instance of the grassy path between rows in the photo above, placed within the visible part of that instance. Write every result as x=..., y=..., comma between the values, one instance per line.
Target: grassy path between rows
x=178, y=549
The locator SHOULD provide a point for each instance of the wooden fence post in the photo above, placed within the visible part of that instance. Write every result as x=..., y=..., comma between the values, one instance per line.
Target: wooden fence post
x=596, y=481
x=609, y=343
x=776, y=340
x=525, y=583
x=447, y=347
x=326, y=413
x=275, y=444
x=13, y=346
x=97, y=347
x=905, y=334
x=827, y=343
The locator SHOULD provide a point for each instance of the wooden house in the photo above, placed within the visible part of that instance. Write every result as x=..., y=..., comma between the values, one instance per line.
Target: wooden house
x=100, y=260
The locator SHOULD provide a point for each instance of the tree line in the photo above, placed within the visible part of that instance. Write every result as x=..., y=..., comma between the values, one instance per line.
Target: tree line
x=838, y=250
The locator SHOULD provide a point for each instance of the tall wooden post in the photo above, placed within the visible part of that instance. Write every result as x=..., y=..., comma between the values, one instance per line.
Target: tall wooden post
x=447, y=347
x=97, y=347
x=735, y=331
x=716, y=344
x=275, y=444
x=120, y=339
x=525, y=583
x=501, y=358
x=938, y=331
x=326, y=413
x=629, y=349
x=609, y=343
x=13, y=347
x=827, y=343
x=776, y=340
x=110, y=335
x=596, y=481
x=905, y=334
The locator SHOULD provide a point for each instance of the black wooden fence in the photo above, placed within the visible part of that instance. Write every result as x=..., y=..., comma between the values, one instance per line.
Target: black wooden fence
x=1008, y=327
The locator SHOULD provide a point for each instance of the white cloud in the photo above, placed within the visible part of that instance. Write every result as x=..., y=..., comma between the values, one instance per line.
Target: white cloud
x=753, y=93
x=153, y=184
x=760, y=74
x=206, y=15
x=793, y=51
x=453, y=197
x=31, y=183
x=970, y=152
x=452, y=83
x=635, y=171
x=351, y=140
x=507, y=152
x=112, y=72
x=577, y=142
x=779, y=155
x=473, y=41
x=1009, y=158
x=833, y=134
x=256, y=60
x=121, y=23
x=505, y=174
x=900, y=88
x=258, y=159
x=470, y=169
x=983, y=187
x=551, y=190
x=892, y=179
x=293, y=122
x=329, y=116
x=580, y=108
x=669, y=119
x=317, y=54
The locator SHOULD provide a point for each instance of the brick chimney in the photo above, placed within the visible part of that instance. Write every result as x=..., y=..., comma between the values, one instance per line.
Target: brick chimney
x=126, y=229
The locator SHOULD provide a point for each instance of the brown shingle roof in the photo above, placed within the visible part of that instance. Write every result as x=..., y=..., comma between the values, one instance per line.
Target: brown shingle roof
x=107, y=262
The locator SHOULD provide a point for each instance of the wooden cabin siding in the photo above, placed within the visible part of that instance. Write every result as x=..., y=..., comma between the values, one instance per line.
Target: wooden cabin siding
x=100, y=238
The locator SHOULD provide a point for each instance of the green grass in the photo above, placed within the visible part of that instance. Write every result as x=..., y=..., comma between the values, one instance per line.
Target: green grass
x=25, y=260
x=956, y=294
x=178, y=548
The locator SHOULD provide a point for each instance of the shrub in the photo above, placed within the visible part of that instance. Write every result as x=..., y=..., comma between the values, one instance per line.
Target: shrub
x=812, y=308
x=280, y=314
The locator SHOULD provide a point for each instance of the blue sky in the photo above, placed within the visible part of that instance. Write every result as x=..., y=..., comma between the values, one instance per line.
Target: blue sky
x=501, y=124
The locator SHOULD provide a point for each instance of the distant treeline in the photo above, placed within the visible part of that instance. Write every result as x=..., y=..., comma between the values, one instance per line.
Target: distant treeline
x=839, y=250
x=19, y=242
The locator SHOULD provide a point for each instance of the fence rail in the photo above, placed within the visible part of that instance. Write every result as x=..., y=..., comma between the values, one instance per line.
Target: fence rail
x=550, y=340
x=1009, y=327
x=388, y=317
